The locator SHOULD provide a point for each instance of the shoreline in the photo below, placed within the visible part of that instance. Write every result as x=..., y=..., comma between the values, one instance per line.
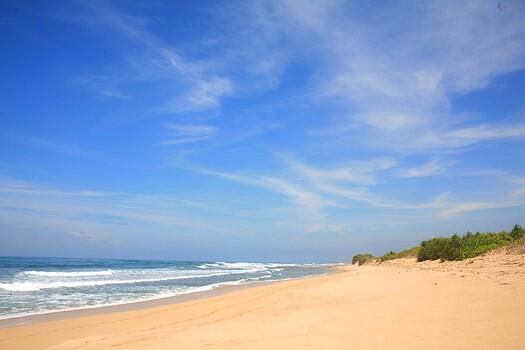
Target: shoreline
x=58, y=315
x=475, y=304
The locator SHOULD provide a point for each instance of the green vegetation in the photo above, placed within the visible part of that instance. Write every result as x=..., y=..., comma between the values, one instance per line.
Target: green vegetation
x=519, y=245
x=517, y=232
x=467, y=246
x=407, y=253
x=363, y=258
x=454, y=248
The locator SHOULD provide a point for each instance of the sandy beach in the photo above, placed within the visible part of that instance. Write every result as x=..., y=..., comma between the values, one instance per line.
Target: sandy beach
x=474, y=304
x=262, y=175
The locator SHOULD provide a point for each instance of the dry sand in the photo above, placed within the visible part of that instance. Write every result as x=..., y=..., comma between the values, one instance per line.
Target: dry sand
x=401, y=304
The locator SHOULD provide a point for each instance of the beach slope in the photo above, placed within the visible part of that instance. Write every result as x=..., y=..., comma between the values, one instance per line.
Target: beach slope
x=475, y=304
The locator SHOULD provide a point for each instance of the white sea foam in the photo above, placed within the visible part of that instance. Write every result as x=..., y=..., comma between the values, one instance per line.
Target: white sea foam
x=225, y=265
x=67, y=274
x=245, y=265
x=188, y=290
x=35, y=286
x=44, y=289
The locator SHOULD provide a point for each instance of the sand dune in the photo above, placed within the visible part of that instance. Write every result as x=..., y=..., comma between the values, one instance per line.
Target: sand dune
x=474, y=304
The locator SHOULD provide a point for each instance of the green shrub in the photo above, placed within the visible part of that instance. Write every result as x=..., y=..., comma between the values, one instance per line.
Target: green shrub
x=410, y=252
x=433, y=249
x=476, y=244
x=467, y=246
x=363, y=258
x=517, y=232
x=519, y=245
x=454, y=248
x=389, y=256
x=407, y=253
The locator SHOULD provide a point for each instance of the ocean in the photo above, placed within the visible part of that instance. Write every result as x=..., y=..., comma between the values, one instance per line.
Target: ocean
x=40, y=285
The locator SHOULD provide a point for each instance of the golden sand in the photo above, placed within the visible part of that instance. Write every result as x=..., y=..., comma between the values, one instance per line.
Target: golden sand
x=401, y=304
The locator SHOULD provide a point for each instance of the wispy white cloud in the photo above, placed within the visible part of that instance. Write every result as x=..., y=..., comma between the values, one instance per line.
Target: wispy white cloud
x=104, y=85
x=205, y=94
x=295, y=193
x=520, y=187
x=46, y=145
x=396, y=82
x=514, y=196
x=346, y=174
x=357, y=194
x=431, y=139
x=458, y=208
x=182, y=134
x=307, y=214
x=319, y=195
x=356, y=172
x=320, y=189
x=484, y=132
x=366, y=197
x=432, y=167
x=389, y=79
x=21, y=167
x=442, y=205
x=187, y=85
x=88, y=211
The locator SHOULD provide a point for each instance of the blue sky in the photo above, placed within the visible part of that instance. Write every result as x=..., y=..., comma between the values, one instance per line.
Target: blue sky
x=257, y=130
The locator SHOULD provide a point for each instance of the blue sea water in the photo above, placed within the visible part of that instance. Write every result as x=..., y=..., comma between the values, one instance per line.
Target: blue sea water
x=39, y=285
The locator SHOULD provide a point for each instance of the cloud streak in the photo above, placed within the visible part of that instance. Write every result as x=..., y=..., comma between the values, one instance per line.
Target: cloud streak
x=70, y=211
x=182, y=134
x=295, y=193
x=398, y=86
x=199, y=85
x=357, y=172
x=432, y=167
x=46, y=145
